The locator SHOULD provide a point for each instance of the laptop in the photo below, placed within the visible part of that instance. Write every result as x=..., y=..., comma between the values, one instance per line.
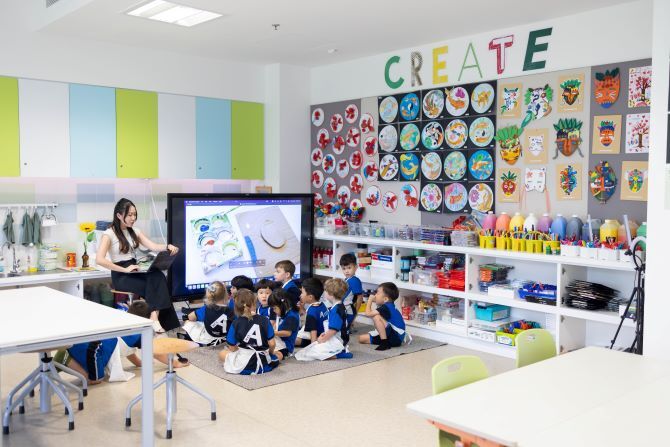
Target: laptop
x=162, y=261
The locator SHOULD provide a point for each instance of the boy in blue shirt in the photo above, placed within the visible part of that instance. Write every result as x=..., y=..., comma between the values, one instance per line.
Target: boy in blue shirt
x=389, y=325
x=315, y=312
x=354, y=296
x=284, y=271
x=264, y=289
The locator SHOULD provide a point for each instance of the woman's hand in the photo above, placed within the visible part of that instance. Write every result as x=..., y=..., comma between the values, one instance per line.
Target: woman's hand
x=131, y=268
x=172, y=249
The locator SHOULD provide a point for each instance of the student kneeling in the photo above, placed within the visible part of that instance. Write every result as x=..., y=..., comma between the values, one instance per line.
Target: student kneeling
x=389, y=325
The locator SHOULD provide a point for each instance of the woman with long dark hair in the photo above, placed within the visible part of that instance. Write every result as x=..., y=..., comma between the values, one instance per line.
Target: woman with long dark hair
x=120, y=241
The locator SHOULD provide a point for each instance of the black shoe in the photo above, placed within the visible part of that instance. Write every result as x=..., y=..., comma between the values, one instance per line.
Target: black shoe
x=383, y=346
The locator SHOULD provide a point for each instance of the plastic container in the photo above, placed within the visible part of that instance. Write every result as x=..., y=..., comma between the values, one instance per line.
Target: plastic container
x=574, y=227
x=426, y=277
x=489, y=221
x=530, y=223
x=390, y=231
x=353, y=229
x=503, y=243
x=502, y=222
x=518, y=244
x=622, y=237
x=570, y=251
x=544, y=223
x=588, y=252
x=558, y=226
x=533, y=246
x=491, y=312
x=609, y=231
x=642, y=231
x=516, y=223
x=608, y=254
x=595, y=228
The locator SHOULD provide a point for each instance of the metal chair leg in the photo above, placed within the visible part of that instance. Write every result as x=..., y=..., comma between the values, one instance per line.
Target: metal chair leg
x=17, y=388
x=138, y=398
x=19, y=400
x=72, y=372
x=201, y=393
x=169, y=397
x=61, y=394
x=65, y=385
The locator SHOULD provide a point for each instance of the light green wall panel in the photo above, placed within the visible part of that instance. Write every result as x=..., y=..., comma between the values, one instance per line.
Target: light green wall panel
x=136, y=134
x=9, y=127
x=248, y=140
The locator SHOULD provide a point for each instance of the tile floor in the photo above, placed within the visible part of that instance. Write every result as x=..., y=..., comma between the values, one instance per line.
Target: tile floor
x=362, y=406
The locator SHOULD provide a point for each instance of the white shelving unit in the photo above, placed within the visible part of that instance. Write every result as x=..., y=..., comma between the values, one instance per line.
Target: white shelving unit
x=572, y=328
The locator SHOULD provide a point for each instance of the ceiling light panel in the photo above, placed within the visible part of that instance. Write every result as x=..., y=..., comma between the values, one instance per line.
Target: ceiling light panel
x=168, y=12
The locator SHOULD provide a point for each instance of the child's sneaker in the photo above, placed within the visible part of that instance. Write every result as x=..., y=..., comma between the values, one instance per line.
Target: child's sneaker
x=344, y=355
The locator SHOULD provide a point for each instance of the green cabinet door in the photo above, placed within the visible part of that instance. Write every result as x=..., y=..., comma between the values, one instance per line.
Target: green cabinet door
x=9, y=127
x=248, y=140
x=136, y=134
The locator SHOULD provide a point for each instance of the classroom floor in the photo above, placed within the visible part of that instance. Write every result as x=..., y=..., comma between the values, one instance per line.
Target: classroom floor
x=362, y=406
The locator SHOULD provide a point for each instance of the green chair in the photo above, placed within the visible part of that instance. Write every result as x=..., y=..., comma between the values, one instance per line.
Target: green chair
x=534, y=345
x=452, y=373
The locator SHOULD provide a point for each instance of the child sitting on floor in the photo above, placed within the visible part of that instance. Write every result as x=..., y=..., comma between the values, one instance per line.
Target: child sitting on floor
x=316, y=313
x=389, y=325
x=264, y=289
x=209, y=324
x=287, y=325
x=94, y=359
x=284, y=271
x=333, y=342
x=354, y=296
x=250, y=339
x=238, y=283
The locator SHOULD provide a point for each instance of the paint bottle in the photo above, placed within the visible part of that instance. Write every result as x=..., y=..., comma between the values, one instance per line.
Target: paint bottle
x=595, y=229
x=622, y=237
x=489, y=221
x=642, y=231
x=531, y=222
x=558, y=226
x=544, y=224
x=502, y=222
x=516, y=224
x=574, y=227
x=609, y=231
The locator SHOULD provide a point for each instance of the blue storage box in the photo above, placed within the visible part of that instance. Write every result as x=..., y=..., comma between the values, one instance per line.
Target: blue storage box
x=491, y=312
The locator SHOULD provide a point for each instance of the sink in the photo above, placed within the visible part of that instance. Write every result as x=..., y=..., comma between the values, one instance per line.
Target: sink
x=38, y=273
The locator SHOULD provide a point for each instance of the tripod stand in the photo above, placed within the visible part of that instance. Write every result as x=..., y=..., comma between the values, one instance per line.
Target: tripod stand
x=637, y=297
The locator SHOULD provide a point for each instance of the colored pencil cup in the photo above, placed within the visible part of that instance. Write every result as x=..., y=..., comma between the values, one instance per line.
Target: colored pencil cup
x=518, y=244
x=533, y=246
x=489, y=241
x=552, y=245
x=503, y=243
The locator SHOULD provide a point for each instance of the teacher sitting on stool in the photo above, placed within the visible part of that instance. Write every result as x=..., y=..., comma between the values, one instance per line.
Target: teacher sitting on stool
x=120, y=241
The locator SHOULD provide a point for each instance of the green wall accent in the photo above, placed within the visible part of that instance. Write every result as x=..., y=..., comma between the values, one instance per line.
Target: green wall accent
x=248, y=140
x=9, y=127
x=136, y=134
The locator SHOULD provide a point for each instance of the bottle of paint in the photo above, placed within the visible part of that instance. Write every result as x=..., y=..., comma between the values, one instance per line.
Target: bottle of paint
x=489, y=221
x=516, y=224
x=609, y=231
x=633, y=226
x=558, y=226
x=595, y=229
x=530, y=224
x=642, y=231
x=574, y=227
x=544, y=224
x=502, y=222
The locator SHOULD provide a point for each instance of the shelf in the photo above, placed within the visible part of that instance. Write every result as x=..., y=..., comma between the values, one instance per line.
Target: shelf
x=516, y=303
x=601, y=316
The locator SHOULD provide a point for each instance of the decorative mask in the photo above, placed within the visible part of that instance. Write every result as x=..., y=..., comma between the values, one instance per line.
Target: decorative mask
x=636, y=179
x=509, y=182
x=510, y=99
x=568, y=180
x=607, y=87
x=510, y=143
x=602, y=181
x=535, y=179
x=536, y=144
x=607, y=129
x=568, y=136
x=537, y=101
x=571, y=90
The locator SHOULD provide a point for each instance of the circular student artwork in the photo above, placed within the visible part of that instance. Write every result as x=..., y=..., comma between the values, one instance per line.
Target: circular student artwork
x=373, y=196
x=317, y=116
x=343, y=195
x=481, y=197
x=355, y=204
x=353, y=137
x=342, y=168
x=388, y=167
x=409, y=166
x=317, y=179
x=389, y=202
x=455, y=197
x=317, y=156
x=356, y=160
x=388, y=138
x=370, y=146
x=481, y=165
x=330, y=187
x=457, y=101
x=338, y=144
x=370, y=171
x=482, y=98
x=432, y=135
x=328, y=164
x=318, y=200
x=409, y=107
x=336, y=123
x=482, y=131
x=203, y=224
x=351, y=113
x=322, y=138
x=431, y=197
x=388, y=109
x=356, y=183
x=409, y=137
x=410, y=196
x=455, y=165
x=456, y=134
x=367, y=123
x=431, y=166
x=433, y=104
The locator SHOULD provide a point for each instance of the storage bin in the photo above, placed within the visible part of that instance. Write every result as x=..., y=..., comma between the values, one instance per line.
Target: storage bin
x=588, y=252
x=353, y=229
x=518, y=244
x=390, y=231
x=503, y=243
x=553, y=246
x=571, y=251
x=376, y=230
x=427, y=317
x=608, y=254
x=364, y=229
x=426, y=277
x=533, y=246
x=482, y=335
x=488, y=241
x=491, y=312
x=508, y=339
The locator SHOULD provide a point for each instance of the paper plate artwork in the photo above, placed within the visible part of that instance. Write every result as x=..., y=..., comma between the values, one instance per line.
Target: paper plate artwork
x=330, y=187
x=317, y=116
x=343, y=195
x=481, y=165
x=431, y=197
x=482, y=131
x=353, y=137
x=432, y=135
x=482, y=99
x=388, y=167
x=409, y=107
x=342, y=168
x=338, y=144
x=318, y=200
x=351, y=113
x=388, y=138
x=389, y=202
x=480, y=197
x=433, y=104
x=373, y=196
x=323, y=138
x=455, y=165
x=356, y=183
x=409, y=166
x=356, y=160
x=458, y=100
x=409, y=137
x=367, y=123
x=388, y=109
x=455, y=197
x=336, y=123
x=355, y=204
x=431, y=166
x=317, y=156
x=317, y=179
x=410, y=196
x=456, y=134
x=370, y=146
x=328, y=164
x=602, y=181
x=370, y=171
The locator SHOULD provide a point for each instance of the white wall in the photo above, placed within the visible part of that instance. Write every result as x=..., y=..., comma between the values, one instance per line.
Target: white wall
x=617, y=33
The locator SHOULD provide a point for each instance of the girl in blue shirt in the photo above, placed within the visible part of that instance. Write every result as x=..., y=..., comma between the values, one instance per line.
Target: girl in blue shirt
x=288, y=322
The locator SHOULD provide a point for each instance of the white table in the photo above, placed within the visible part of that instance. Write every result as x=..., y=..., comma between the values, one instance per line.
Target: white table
x=51, y=318
x=574, y=399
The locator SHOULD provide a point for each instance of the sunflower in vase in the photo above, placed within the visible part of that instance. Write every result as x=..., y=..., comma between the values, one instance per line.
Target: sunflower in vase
x=88, y=228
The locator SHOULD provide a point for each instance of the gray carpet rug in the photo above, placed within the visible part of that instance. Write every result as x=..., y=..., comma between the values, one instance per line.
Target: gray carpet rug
x=206, y=358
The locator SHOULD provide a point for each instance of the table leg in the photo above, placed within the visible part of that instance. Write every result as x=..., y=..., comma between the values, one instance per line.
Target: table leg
x=466, y=438
x=147, y=387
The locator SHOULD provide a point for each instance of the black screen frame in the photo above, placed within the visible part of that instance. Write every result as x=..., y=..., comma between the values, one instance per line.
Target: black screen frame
x=176, y=233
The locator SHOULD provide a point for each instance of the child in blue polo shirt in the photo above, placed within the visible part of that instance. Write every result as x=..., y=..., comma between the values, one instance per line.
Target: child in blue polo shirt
x=287, y=325
x=389, y=325
x=264, y=289
x=316, y=313
x=284, y=271
x=238, y=283
x=354, y=296
x=209, y=324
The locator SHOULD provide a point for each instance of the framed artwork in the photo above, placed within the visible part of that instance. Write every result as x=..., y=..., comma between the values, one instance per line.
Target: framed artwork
x=510, y=97
x=537, y=142
x=569, y=181
x=639, y=87
x=507, y=185
x=606, y=134
x=634, y=180
x=637, y=133
x=571, y=96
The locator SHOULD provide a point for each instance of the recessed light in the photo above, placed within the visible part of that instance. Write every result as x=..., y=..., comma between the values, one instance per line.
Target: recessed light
x=332, y=51
x=168, y=12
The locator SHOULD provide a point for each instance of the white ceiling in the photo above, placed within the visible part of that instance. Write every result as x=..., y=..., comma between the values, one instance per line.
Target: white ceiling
x=308, y=28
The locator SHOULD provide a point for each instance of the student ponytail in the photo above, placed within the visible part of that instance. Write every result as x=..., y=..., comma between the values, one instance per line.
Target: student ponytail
x=282, y=299
x=215, y=293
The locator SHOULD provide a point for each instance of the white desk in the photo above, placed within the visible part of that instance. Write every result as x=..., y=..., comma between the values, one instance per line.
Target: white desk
x=562, y=401
x=56, y=318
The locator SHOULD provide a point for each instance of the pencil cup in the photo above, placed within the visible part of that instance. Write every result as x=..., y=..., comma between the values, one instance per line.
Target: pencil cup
x=502, y=243
x=489, y=241
x=482, y=243
x=533, y=246
x=552, y=245
x=518, y=244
